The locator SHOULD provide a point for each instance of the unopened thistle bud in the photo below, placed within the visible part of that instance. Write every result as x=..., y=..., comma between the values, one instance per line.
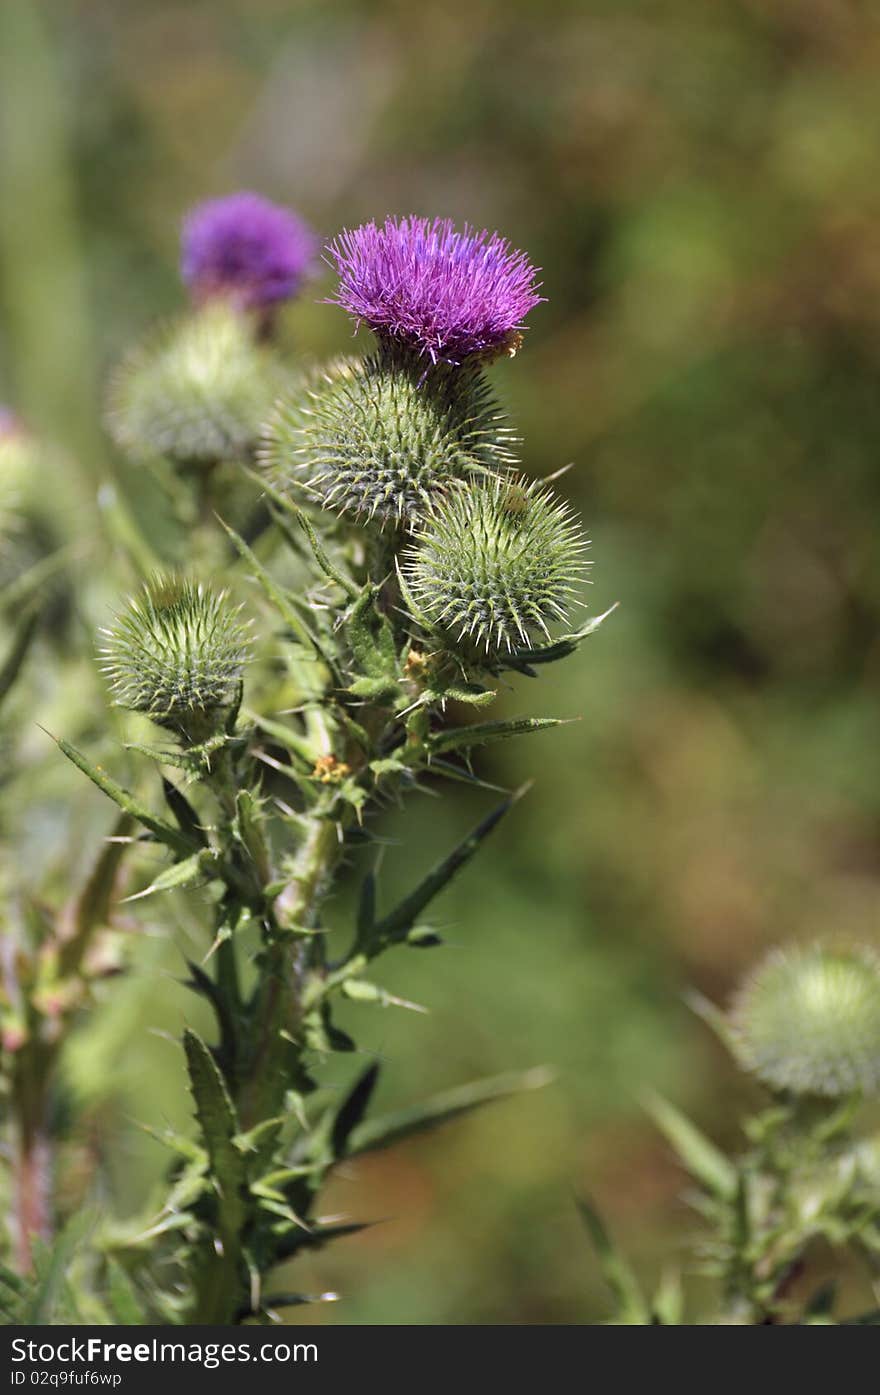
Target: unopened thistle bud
x=444, y=294
x=197, y=394
x=177, y=653
x=376, y=440
x=808, y=1021
x=494, y=564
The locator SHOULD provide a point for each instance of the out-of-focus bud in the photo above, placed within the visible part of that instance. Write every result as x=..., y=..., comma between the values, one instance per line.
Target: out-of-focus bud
x=808, y=1021
x=197, y=393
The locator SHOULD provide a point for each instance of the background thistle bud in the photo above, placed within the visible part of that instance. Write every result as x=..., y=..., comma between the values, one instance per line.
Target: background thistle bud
x=494, y=564
x=177, y=654
x=377, y=439
x=808, y=1021
x=197, y=394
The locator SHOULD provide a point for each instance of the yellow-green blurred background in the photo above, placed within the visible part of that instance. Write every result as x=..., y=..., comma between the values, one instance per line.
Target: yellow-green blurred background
x=700, y=183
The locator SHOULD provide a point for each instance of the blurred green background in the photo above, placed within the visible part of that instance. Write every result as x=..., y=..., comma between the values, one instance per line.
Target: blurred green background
x=699, y=184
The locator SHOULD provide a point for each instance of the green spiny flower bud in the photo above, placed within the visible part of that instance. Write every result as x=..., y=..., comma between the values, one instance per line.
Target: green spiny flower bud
x=494, y=564
x=177, y=654
x=375, y=440
x=808, y=1021
x=197, y=394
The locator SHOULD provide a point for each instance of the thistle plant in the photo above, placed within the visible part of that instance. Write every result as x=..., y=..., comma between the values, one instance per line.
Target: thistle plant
x=806, y=1024
x=340, y=658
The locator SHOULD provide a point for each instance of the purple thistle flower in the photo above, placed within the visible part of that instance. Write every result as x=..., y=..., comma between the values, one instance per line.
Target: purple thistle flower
x=245, y=248
x=448, y=294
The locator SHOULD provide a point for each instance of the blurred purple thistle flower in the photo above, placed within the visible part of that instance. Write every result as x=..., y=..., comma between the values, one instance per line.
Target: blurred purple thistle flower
x=448, y=294
x=247, y=249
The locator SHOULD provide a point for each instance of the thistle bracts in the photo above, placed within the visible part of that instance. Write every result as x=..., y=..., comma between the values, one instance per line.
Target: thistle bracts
x=197, y=394
x=494, y=565
x=378, y=440
x=177, y=654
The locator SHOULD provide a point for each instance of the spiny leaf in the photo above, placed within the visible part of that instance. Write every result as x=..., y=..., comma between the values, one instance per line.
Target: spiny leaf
x=702, y=1159
x=396, y=925
x=353, y=1109
x=183, y=873
x=523, y=659
x=439, y=1109
x=171, y=837
x=631, y=1305
x=482, y=733
x=184, y=813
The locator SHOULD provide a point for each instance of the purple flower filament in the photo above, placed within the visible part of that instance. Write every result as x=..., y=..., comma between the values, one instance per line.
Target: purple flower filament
x=448, y=294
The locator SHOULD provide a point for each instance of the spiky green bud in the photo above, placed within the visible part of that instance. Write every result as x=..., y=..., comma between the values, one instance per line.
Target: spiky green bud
x=177, y=653
x=197, y=393
x=375, y=440
x=808, y=1021
x=494, y=564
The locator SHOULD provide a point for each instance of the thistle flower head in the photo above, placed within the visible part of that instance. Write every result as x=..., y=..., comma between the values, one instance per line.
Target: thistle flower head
x=177, y=653
x=196, y=394
x=376, y=439
x=449, y=295
x=245, y=249
x=494, y=563
x=808, y=1021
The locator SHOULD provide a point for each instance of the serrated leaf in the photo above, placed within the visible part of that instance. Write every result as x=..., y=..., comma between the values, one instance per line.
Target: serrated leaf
x=704, y=1162
x=484, y=733
x=388, y=1129
x=219, y=1127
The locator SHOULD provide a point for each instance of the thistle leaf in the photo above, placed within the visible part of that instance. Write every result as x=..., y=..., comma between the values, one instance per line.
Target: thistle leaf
x=219, y=1127
x=353, y=1109
x=173, y=838
x=396, y=925
x=632, y=1309
x=388, y=1129
x=484, y=733
x=706, y=1163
